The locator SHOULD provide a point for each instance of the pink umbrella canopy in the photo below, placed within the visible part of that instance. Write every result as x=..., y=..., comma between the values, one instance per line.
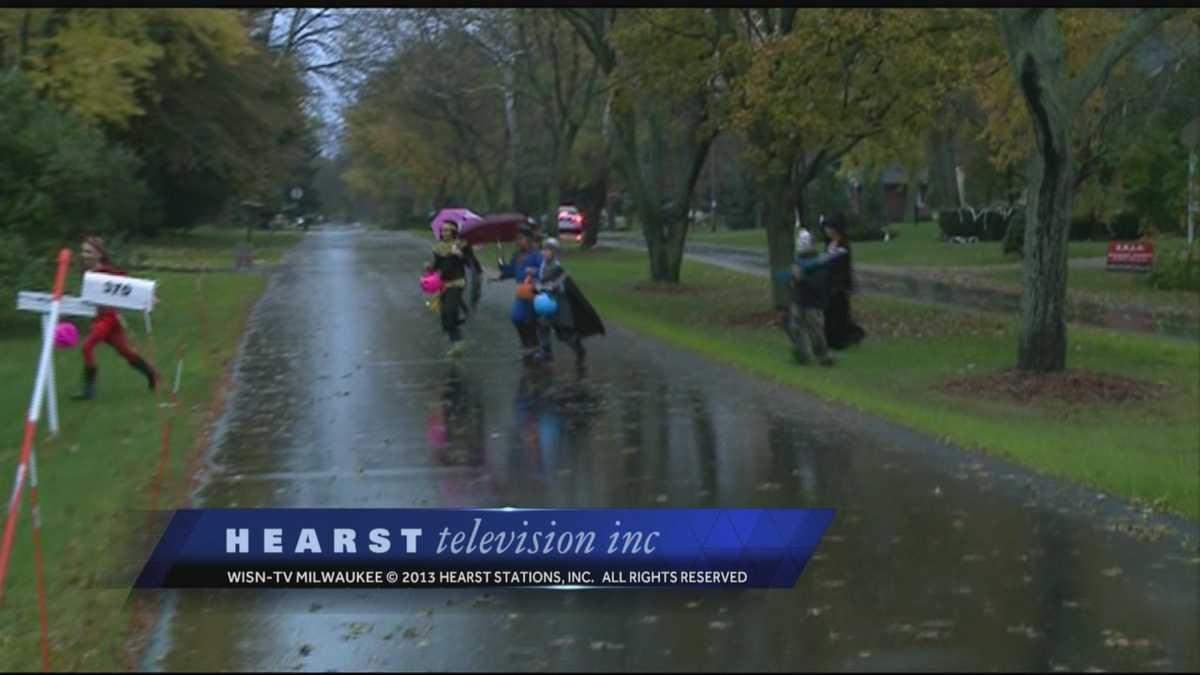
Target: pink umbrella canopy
x=464, y=218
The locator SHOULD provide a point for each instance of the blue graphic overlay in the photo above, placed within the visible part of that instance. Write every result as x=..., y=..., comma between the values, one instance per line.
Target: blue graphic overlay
x=446, y=548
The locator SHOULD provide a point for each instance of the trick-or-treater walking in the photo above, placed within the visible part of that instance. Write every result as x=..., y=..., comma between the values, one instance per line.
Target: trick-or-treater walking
x=452, y=257
x=525, y=261
x=562, y=307
x=106, y=327
x=810, y=297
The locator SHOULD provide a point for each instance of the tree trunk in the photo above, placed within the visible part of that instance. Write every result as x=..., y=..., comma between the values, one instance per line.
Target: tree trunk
x=676, y=238
x=664, y=243
x=596, y=206
x=23, y=44
x=800, y=197
x=442, y=193
x=514, y=132
x=911, y=187
x=943, y=189
x=1036, y=51
x=656, y=246
x=778, y=216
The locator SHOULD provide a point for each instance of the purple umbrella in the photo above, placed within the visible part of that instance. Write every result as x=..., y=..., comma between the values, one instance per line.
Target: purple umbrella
x=464, y=218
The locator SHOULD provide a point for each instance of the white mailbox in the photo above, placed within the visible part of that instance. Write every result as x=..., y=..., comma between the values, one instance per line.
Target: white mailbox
x=110, y=290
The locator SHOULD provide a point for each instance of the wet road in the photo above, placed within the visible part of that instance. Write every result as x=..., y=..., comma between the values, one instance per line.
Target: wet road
x=937, y=559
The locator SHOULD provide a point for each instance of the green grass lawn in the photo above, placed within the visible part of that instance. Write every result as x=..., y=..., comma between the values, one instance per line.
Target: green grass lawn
x=211, y=247
x=95, y=476
x=1144, y=450
x=917, y=245
x=1126, y=286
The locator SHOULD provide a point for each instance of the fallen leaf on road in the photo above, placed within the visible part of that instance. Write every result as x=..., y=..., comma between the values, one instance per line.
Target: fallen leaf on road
x=1028, y=631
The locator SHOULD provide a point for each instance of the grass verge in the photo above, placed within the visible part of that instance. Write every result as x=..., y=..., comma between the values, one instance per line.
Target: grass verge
x=1119, y=286
x=917, y=245
x=211, y=247
x=101, y=468
x=1148, y=450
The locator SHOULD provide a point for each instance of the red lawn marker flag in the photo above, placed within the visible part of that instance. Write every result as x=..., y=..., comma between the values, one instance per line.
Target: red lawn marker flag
x=23, y=466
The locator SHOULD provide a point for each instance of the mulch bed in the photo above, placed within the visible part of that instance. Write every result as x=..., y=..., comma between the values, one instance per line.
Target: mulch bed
x=1071, y=386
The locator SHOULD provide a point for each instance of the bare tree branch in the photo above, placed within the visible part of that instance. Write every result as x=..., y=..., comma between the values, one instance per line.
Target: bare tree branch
x=1133, y=32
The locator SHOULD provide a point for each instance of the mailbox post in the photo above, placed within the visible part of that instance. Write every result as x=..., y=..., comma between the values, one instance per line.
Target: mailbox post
x=32, y=301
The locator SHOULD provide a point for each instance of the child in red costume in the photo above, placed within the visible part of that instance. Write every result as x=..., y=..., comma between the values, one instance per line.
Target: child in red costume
x=106, y=327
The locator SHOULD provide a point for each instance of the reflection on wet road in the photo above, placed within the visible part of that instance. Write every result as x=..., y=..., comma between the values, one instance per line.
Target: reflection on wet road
x=937, y=559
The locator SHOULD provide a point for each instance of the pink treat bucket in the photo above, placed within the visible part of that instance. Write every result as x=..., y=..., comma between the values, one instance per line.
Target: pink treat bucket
x=66, y=335
x=431, y=283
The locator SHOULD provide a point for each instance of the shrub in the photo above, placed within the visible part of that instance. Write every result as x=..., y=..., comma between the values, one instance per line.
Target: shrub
x=1154, y=171
x=21, y=268
x=1085, y=227
x=59, y=177
x=1177, y=268
x=950, y=223
x=863, y=228
x=991, y=225
x=1125, y=226
x=985, y=225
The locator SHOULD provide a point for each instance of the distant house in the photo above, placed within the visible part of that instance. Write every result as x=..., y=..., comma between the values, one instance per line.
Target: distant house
x=895, y=194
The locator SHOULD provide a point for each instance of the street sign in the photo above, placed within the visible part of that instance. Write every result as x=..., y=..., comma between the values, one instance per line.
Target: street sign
x=1135, y=256
x=110, y=290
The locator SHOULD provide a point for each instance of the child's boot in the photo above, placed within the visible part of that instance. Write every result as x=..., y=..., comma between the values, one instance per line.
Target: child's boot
x=89, y=385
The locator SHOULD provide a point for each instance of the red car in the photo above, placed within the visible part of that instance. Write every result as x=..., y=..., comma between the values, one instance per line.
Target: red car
x=570, y=221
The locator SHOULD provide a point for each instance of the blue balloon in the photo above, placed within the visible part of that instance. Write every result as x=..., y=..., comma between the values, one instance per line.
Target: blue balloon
x=545, y=305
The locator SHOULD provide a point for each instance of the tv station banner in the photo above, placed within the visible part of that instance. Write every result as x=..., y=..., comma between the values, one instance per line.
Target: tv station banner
x=451, y=548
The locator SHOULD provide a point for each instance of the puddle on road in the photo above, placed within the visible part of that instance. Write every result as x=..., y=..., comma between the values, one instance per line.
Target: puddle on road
x=937, y=560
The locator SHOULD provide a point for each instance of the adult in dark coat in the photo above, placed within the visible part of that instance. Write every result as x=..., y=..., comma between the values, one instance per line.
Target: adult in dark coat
x=840, y=329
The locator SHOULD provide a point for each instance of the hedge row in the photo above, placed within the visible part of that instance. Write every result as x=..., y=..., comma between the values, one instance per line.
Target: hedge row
x=989, y=225
x=985, y=225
